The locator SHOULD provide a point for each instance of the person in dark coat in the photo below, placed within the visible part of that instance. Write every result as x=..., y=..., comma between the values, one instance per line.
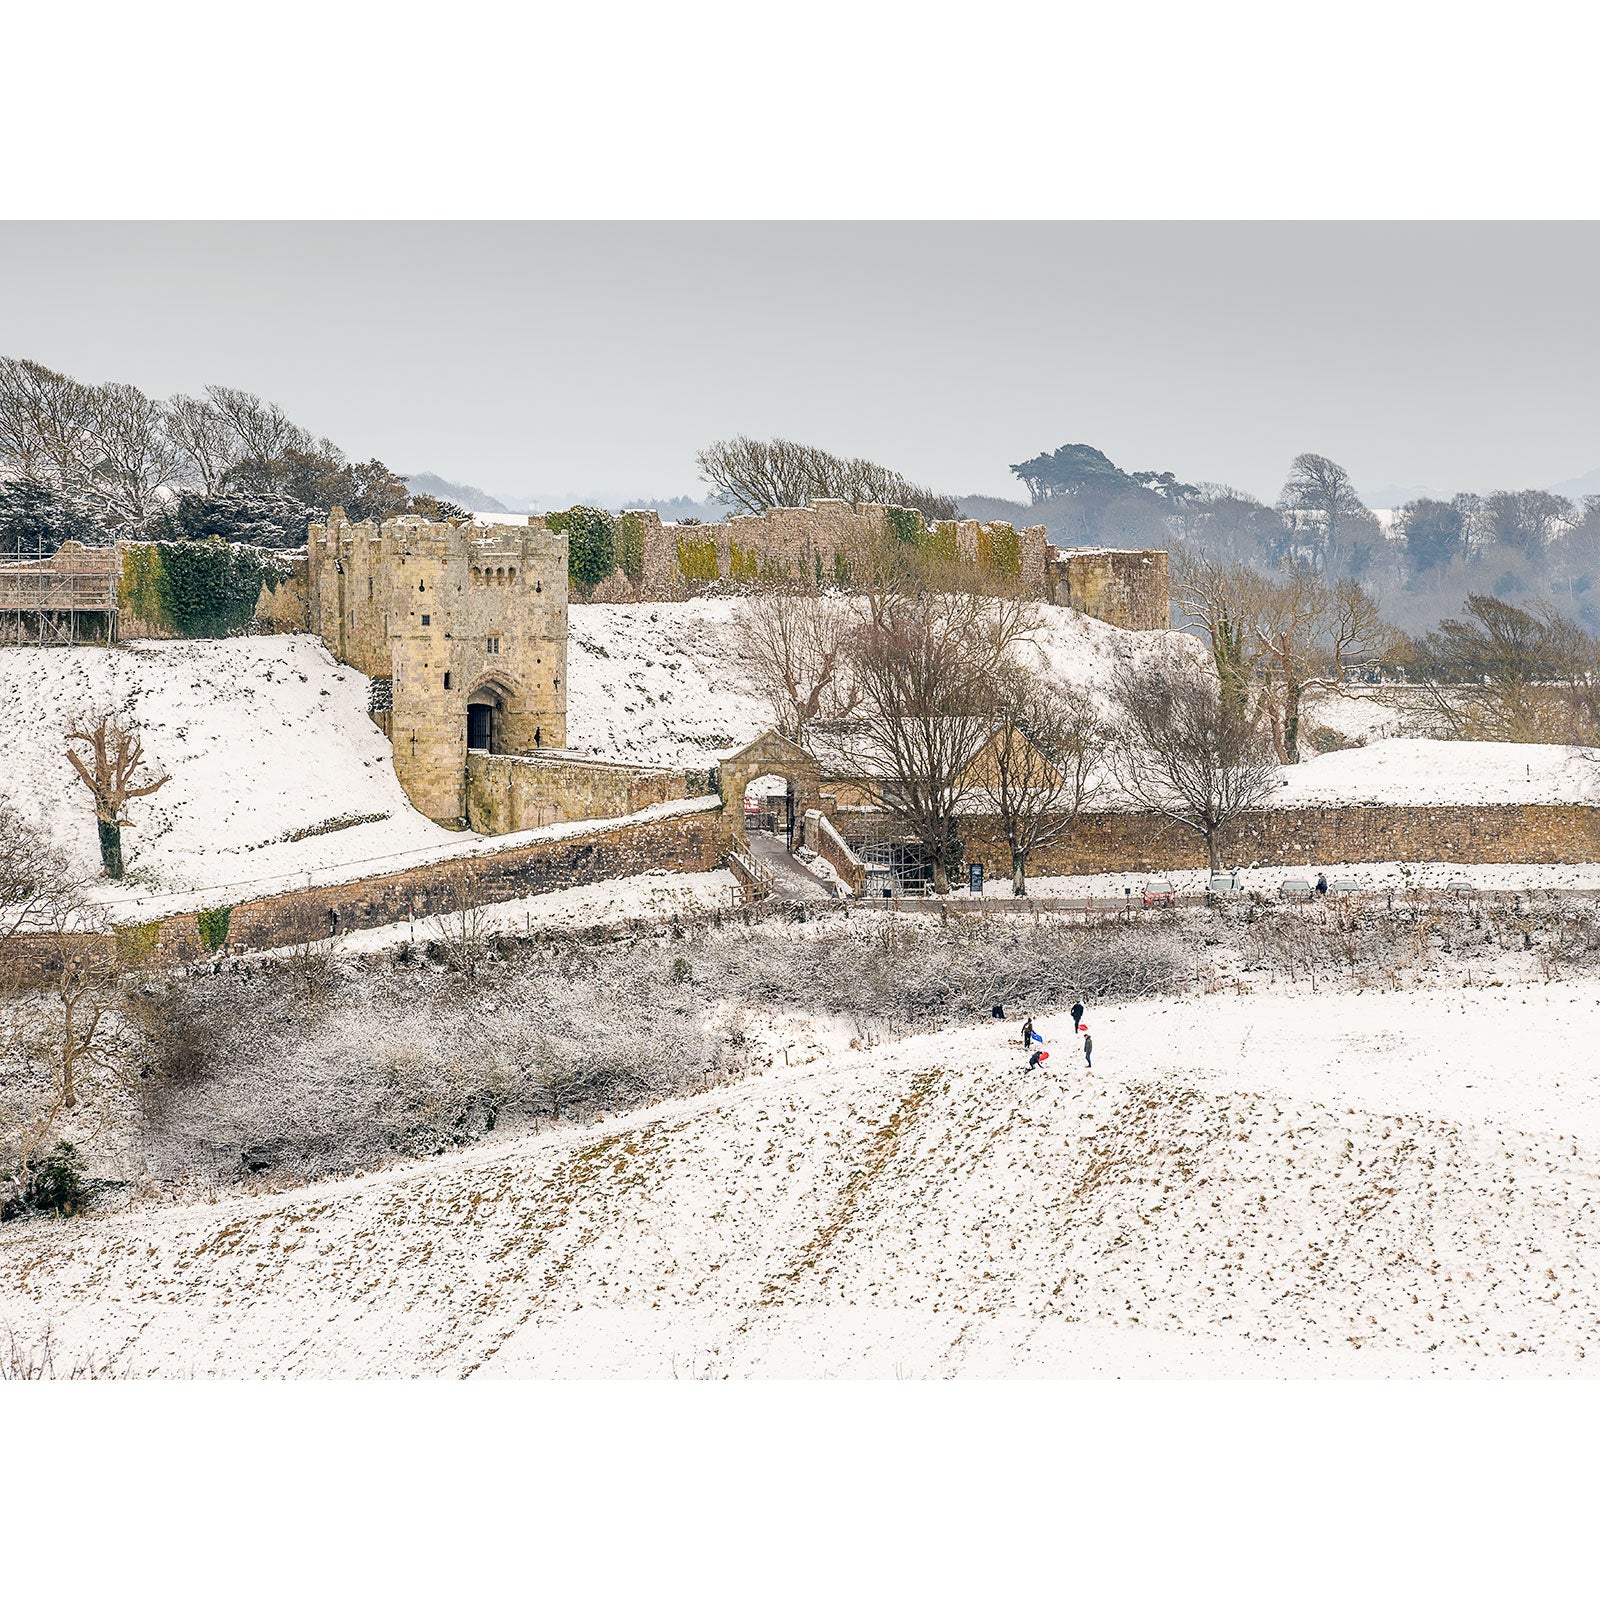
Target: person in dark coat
x=1027, y=1034
x=1088, y=1049
x=998, y=1012
x=1322, y=883
x=1077, y=1015
x=1035, y=1059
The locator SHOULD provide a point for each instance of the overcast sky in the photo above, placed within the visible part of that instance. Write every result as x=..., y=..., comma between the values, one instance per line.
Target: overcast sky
x=594, y=359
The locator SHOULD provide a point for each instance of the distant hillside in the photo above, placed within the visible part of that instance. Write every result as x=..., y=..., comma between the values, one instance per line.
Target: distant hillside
x=1577, y=488
x=466, y=495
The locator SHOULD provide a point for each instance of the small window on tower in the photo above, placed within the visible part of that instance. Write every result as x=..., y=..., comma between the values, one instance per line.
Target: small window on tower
x=369, y=586
x=491, y=645
x=426, y=619
x=447, y=680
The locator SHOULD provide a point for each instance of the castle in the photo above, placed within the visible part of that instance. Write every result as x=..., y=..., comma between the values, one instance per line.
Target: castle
x=462, y=628
x=466, y=626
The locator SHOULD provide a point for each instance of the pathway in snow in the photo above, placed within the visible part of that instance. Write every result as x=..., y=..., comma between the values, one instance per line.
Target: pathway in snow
x=791, y=880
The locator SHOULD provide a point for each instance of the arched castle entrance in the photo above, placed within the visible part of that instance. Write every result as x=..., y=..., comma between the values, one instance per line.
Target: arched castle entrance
x=770, y=755
x=486, y=706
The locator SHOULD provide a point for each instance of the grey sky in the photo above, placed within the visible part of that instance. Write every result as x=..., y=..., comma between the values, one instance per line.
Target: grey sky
x=594, y=359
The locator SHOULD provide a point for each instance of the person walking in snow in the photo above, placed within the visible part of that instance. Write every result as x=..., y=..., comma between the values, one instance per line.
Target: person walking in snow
x=1088, y=1048
x=1027, y=1034
x=1322, y=883
x=1077, y=1015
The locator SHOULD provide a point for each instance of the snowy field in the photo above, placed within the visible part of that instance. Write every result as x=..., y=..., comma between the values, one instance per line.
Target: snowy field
x=1397, y=1184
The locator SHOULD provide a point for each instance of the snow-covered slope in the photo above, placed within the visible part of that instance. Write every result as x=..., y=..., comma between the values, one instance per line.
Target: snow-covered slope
x=659, y=683
x=667, y=683
x=263, y=738
x=1246, y=1185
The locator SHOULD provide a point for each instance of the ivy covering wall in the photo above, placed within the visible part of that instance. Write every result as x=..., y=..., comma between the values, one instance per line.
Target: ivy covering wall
x=697, y=560
x=591, y=545
x=195, y=589
x=1000, y=549
x=630, y=546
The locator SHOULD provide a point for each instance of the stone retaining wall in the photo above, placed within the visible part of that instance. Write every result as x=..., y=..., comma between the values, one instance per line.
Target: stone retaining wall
x=688, y=843
x=506, y=794
x=1126, y=841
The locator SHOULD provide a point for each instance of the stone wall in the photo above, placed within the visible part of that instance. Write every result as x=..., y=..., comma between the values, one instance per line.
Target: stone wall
x=286, y=609
x=455, y=616
x=822, y=544
x=1119, y=841
x=506, y=794
x=691, y=842
x=819, y=544
x=1127, y=588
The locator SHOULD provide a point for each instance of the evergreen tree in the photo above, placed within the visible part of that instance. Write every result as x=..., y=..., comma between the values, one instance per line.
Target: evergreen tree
x=37, y=520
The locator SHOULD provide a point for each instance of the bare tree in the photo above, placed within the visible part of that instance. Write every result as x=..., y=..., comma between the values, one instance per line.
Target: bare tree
x=1322, y=505
x=1277, y=640
x=261, y=430
x=205, y=439
x=132, y=451
x=113, y=767
x=1505, y=673
x=463, y=932
x=758, y=474
x=61, y=1030
x=796, y=647
x=1187, y=752
x=1308, y=633
x=36, y=882
x=1041, y=765
x=43, y=418
x=1225, y=600
x=926, y=666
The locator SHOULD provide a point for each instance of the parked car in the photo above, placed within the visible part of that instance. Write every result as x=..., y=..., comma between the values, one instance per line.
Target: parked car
x=1159, y=893
x=1461, y=886
x=1295, y=890
x=1344, y=886
x=1224, y=883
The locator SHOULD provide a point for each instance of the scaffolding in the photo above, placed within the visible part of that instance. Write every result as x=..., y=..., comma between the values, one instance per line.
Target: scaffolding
x=43, y=597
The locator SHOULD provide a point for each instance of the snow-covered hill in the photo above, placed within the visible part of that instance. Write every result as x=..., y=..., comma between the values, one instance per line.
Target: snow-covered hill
x=1383, y=1184
x=667, y=683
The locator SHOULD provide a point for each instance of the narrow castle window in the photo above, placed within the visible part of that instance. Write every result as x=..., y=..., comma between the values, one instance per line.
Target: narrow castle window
x=491, y=645
x=538, y=588
x=426, y=619
x=447, y=680
x=369, y=586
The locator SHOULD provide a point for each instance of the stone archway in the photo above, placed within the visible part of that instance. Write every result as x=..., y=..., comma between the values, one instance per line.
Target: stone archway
x=486, y=708
x=771, y=754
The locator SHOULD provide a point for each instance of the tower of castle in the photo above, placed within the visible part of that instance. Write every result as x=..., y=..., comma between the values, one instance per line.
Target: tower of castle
x=468, y=624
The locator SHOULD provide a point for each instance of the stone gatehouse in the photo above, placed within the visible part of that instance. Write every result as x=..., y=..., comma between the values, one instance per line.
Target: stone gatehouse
x=468, y=628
